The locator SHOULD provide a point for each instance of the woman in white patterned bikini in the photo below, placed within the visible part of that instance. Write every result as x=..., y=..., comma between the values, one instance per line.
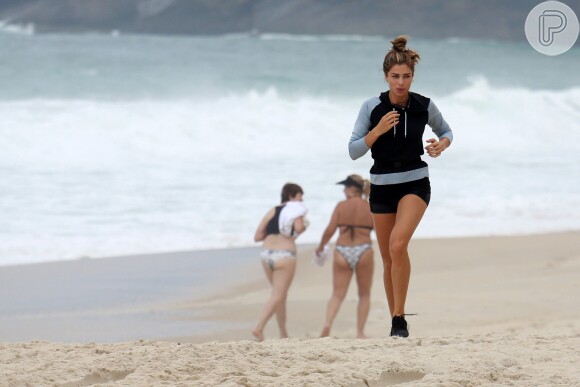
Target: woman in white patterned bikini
x=353, y=251
x=278, y=229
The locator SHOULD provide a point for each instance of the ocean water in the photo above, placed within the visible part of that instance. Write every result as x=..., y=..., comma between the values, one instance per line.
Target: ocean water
x=113, y=145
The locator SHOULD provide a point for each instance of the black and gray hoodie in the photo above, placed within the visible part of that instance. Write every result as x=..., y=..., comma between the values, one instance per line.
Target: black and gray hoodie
x=397, y=153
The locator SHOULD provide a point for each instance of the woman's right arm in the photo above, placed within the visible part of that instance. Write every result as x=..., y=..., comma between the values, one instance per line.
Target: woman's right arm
x=329, y=232
x=362, y=138
x=261, y=234
x=386, y=123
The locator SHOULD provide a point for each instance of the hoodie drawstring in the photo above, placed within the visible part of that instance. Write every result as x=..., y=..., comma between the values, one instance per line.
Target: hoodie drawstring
x=405, y=124
x=395, y=127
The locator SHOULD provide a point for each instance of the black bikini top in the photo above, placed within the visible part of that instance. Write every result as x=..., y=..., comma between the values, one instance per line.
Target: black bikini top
x=273, y=226
x=351, y=227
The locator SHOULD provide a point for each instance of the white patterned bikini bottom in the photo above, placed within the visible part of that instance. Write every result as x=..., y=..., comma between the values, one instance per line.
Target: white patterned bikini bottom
x=353, y=254
x=270, y=257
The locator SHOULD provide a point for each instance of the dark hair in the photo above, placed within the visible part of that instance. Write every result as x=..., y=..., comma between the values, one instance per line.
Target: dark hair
x=290, y=190
x=399, y=54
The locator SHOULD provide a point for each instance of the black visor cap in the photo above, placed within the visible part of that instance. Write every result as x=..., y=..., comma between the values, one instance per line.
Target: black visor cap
x=350, y=182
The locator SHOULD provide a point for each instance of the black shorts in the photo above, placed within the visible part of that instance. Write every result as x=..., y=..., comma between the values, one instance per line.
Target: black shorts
x=384, y=199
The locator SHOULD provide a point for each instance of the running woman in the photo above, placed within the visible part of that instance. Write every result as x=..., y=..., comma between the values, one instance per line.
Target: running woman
x=391, y=126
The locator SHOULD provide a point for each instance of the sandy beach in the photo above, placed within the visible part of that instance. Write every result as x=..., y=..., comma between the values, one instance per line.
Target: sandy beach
x=490, y=311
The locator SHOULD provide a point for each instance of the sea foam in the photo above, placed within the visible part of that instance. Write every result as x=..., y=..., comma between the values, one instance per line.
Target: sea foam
x=98, y=178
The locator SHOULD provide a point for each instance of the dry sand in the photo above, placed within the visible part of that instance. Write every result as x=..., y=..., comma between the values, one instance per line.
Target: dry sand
x=491, y=311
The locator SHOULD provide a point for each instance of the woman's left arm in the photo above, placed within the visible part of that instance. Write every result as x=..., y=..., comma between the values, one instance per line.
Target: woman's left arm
x=441, y=129
x=299, y=226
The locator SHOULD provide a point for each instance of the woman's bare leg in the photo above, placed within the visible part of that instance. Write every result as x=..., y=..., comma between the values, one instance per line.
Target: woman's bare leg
x=364, y=279
x=281, y=310
x=384, y=224
x=341, y=275
x=409, y=213
x=281, y=280
x=281, y=318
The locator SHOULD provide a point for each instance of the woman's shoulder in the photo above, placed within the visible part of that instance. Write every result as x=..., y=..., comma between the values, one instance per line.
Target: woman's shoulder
x=374, y=98
x=421, y=99
x=363, y=202
x=360, y=205
x=371, y=103
x=352, y=203
x=271, y=211
x=341, y=207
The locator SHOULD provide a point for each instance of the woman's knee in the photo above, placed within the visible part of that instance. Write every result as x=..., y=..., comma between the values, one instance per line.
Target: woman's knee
x=387, y=265
x=386, y=258
x=398, y=247
x=278, y=298
x=364, y=292
x=279, y=292
x=339, y=294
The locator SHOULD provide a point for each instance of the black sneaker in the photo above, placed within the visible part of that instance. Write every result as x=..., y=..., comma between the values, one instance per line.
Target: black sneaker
x=399, y=327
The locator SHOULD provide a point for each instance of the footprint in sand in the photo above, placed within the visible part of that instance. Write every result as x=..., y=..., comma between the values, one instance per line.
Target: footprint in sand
x=98, y=377
x=392, y=379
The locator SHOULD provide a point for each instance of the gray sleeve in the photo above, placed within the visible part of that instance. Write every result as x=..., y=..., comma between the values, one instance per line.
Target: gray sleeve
x=357, y=146
x=438, y=124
